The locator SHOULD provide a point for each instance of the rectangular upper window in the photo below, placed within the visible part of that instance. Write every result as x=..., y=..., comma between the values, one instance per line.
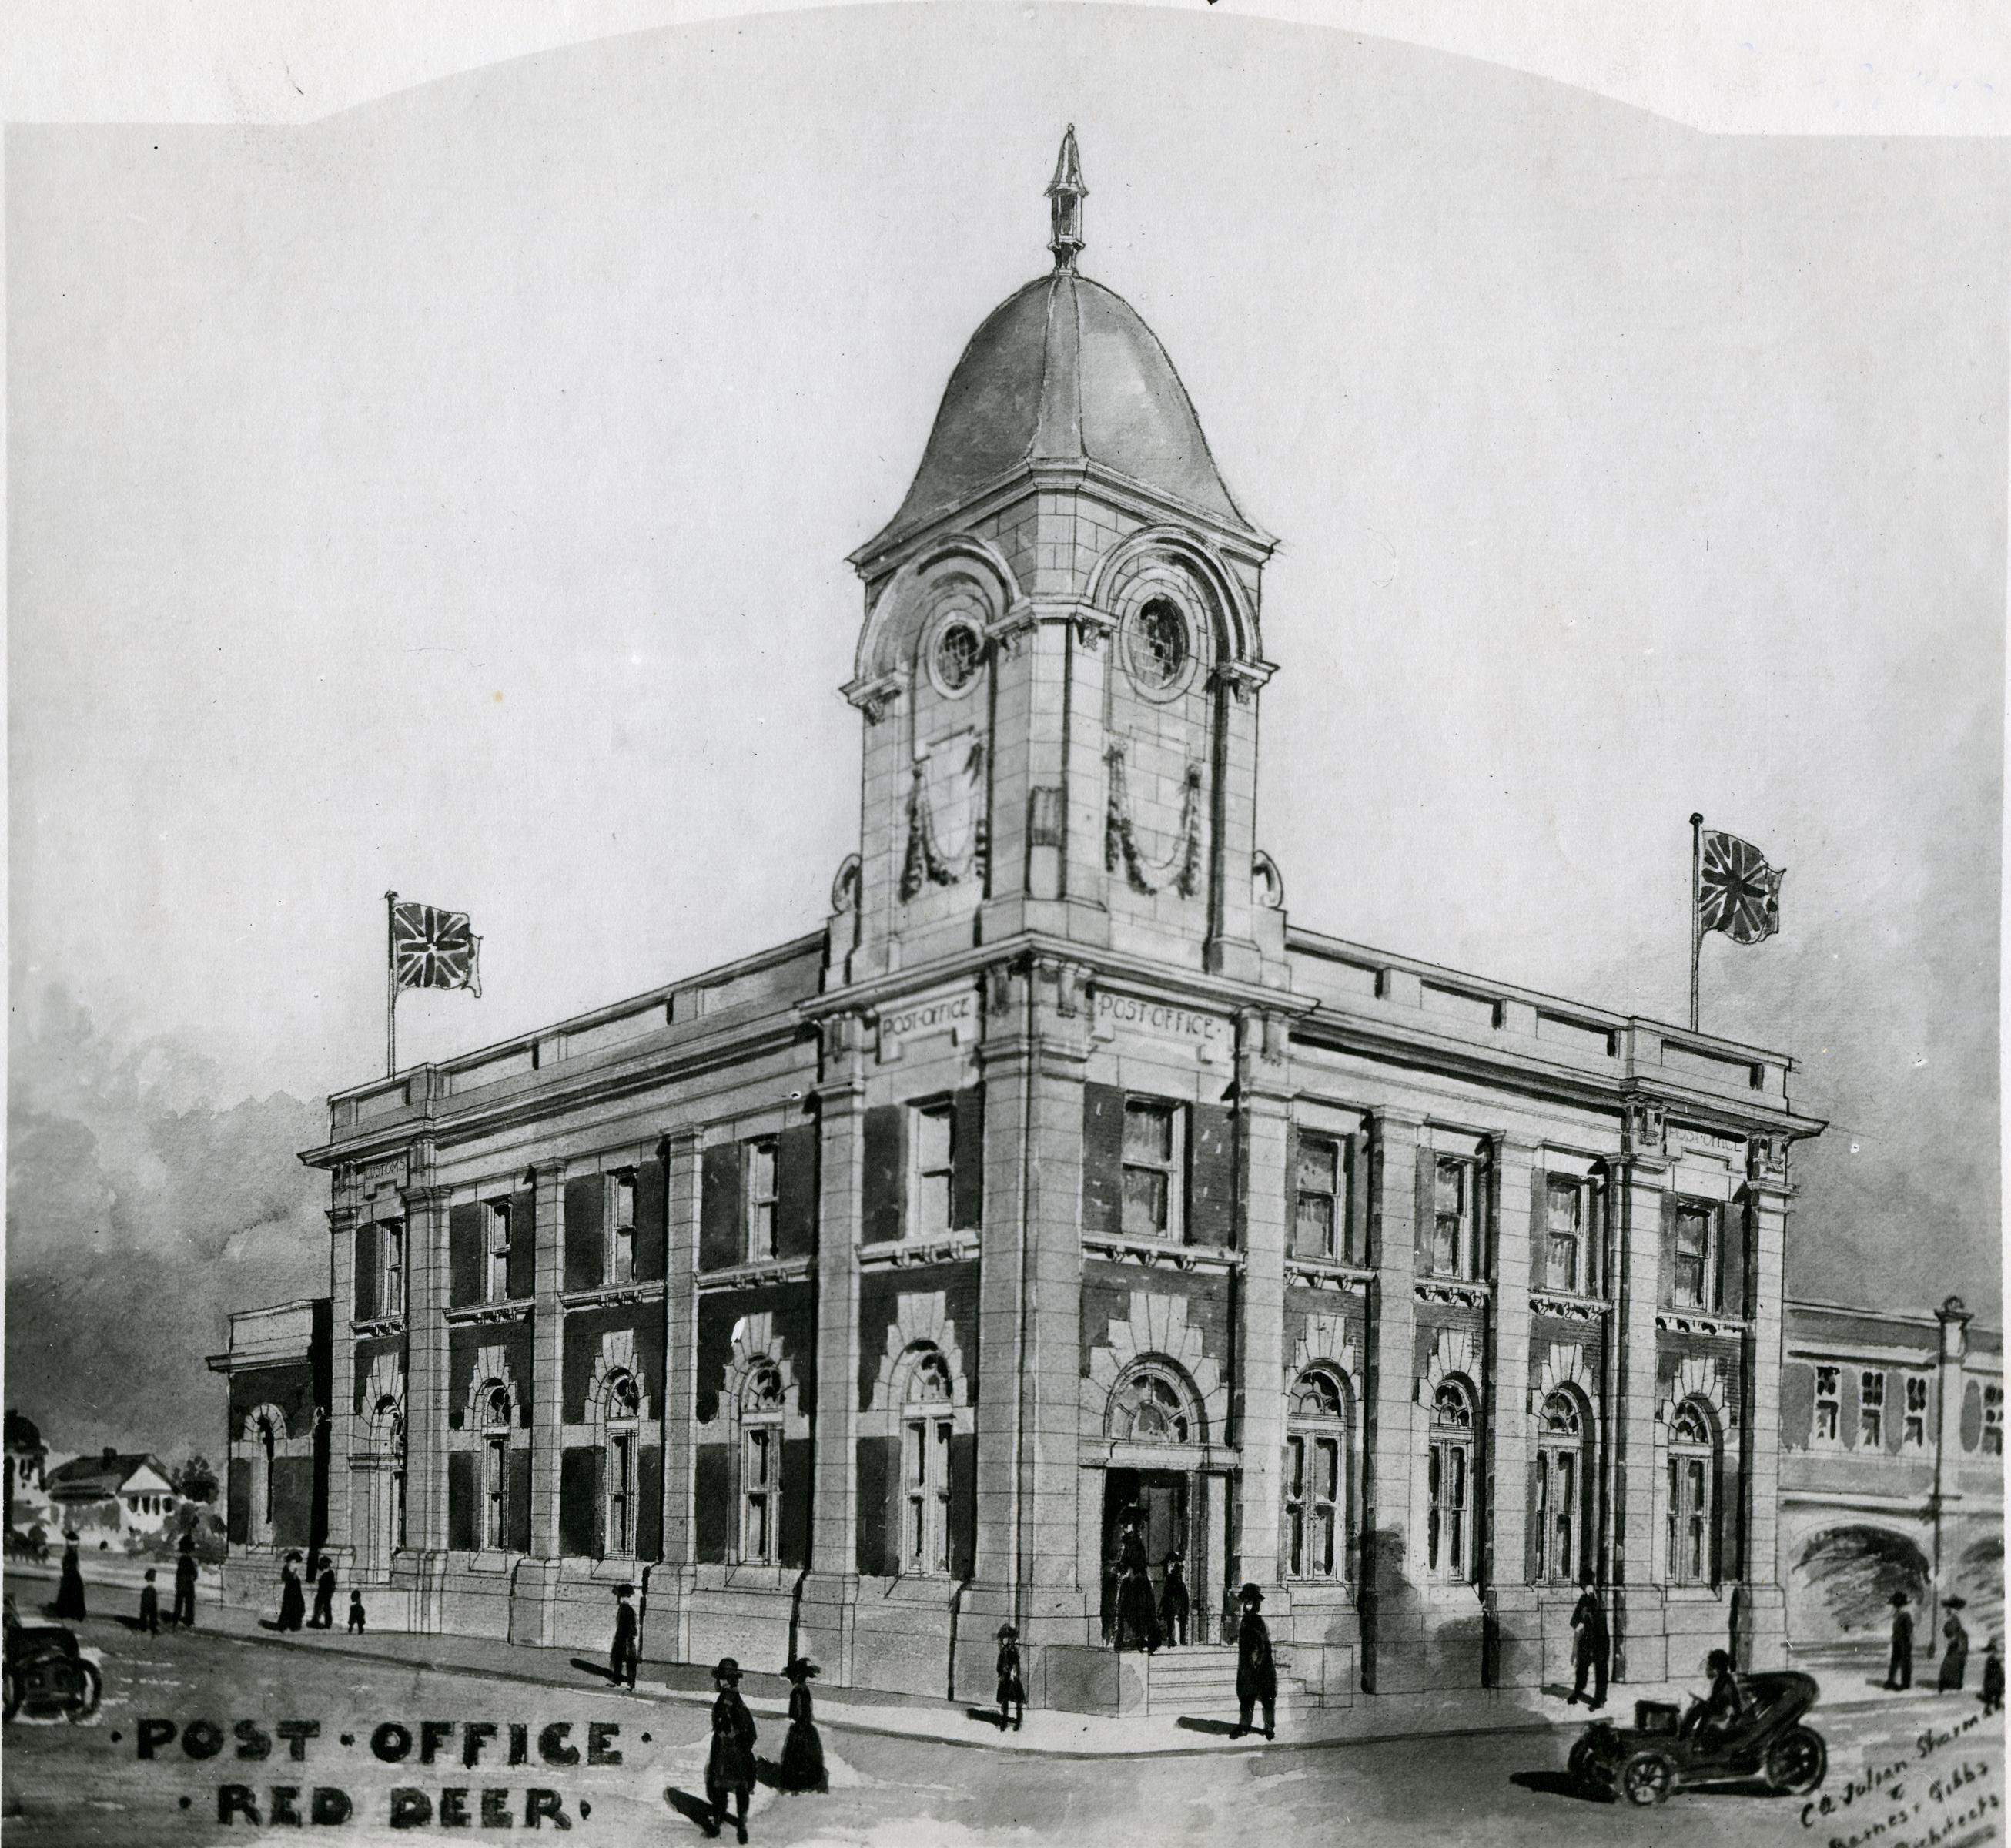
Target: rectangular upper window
x=1455, y=1217
x=1829, y=1403
x=761, y=1172
x=496, y=1228
x=621, y=1227
x=1320, y=1224
x=934, y=1139
x=1695, y=1268
x=1154, y=1158
x=1993, y=1420
x=1915, y=1434
x=1871, y=1410
x=1570, y=1236
x=391, y=1267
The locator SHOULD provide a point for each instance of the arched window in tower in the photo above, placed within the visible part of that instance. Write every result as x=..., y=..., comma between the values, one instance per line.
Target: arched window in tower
x=1693, y=1513
x=1149, y=1407
x=954, y=655
x=1316, y=1478
x=761, y=1410
x=623, y=1404
x=1155, y=644
x=1562, y=1467
x=925, y=1435
x=397, y=1441
x=1449, y=1475
x=496, y=1415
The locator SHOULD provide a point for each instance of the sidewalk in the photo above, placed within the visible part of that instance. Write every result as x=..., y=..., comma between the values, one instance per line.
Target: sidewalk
x=1374, y=1719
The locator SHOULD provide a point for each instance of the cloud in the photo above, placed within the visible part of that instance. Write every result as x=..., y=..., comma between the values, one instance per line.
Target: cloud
x=142, y=1207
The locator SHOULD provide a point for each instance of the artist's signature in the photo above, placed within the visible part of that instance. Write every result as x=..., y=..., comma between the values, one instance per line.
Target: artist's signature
x=1925, y=1805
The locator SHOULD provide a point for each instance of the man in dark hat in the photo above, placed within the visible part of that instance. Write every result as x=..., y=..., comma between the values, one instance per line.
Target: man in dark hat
x=622, y=1657
x=1136, y=1617
x=1174, y=1602
x=729, y=1766
x=324, y=1605
x=1256, y=1673
x=1993, y=1678
x=1899, y=1670
x=184, y=1613
x=1591, y=1646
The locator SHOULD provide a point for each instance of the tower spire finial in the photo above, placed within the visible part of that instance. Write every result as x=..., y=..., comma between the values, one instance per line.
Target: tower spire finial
x=1065, y=194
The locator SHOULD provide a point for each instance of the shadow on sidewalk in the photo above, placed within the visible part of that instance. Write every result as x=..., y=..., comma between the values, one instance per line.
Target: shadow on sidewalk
x=1222, y=1728
x=1555, y=1783
x=693, y=1809
x=989, y=1716
x=600, y=1670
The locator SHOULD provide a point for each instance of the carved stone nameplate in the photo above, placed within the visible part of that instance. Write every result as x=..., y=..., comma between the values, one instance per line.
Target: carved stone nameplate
x=954, y=1014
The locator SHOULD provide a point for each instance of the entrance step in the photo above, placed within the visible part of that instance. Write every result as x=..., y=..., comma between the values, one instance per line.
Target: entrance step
x=1200, y=1680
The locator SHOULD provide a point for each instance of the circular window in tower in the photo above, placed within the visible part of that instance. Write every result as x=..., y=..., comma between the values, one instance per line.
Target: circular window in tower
x=1155, y=645
x=955, y=655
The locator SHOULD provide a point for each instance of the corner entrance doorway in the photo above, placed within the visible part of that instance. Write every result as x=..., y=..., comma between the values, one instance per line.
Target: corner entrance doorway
x=1162, y=1498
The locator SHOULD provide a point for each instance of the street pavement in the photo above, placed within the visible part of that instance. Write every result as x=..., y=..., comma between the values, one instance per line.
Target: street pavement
x=89, y=1784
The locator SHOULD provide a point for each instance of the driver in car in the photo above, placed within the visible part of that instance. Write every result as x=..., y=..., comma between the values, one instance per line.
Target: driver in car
x=1723, y=1708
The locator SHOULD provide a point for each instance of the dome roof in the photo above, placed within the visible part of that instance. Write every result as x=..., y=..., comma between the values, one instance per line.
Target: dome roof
x=1064, y=371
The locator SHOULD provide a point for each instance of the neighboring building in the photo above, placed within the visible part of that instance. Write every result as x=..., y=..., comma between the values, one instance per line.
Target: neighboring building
x=113, y=1493
x=847, y=1296
x=1892, y=1472
x=27, y=1466
x=276, y=1434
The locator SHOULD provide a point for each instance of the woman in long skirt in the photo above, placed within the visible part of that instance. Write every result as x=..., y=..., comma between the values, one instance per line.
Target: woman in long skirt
x=70, y=1587
x=293, y=1600
x=1955, y=1650
x=802, y=1751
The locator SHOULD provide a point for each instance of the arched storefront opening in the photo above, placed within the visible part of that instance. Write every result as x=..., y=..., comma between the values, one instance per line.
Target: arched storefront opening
x=1842, y=1583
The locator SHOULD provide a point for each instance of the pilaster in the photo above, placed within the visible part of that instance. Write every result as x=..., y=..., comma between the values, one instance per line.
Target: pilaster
x=1263, y=1091
x=342, y=1435
x=547, y=1354
x=1641, y=1178
x=829, y=1593
x=1762, y=1638
x=426, y=1369
x=1515, y=1650
x=1392, y=1611
x=681, y=1195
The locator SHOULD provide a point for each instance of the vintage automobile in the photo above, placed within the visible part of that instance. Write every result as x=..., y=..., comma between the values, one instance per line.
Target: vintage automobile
x=49, y=1676
x=1664, y=1751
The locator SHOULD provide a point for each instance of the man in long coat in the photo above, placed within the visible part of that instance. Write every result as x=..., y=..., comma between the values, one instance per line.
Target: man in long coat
x=729, y=1766
x=185, y=1575
x=621, y=1658
x=1591, y=1646
x=1136, y=1617
x=1256, y=1672
x=1899, y=1669
x=323, y=1618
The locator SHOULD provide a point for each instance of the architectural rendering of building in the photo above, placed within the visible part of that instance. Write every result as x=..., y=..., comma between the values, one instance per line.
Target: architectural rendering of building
x=853, y=1298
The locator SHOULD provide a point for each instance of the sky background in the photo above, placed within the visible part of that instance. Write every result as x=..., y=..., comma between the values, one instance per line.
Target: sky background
x=454, y=495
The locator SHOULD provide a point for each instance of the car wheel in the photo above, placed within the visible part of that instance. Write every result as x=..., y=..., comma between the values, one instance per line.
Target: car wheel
x=90, y=1692
x=1646, y=1778
x=13, y=1693
x=1796, y=1762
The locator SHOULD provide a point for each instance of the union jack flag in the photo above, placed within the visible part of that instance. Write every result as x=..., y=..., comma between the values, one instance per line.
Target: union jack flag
x=1738, y=893
x=432, y=948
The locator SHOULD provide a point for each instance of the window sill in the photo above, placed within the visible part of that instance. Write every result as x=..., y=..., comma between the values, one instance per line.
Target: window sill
x=1694, y=1594
x=612, y=1295
x=475, y=1312
x=490, y=1559
x=941, y=1248
x=1166, y=1253
x=1469, y=1292
x=1568, y=1305
x=765, y=1270
x=1701, y=1322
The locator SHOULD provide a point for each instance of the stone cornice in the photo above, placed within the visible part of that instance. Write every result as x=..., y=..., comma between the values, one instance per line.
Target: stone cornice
x=482, y=1314
x=1149, y=1254
x=901, y=1254
x=373, y=1327
x=1568, y=1308
x=765, y=1270
x=1317, y=1273
x=1467, y=1293
x=612, y=1295
x=1696, y=1321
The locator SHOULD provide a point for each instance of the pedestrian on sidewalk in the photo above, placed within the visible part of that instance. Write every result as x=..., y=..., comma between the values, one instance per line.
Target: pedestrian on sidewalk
x=185, y=1583
x=729, y=1766
x=802, y=1751
x=356, y=1610
x=292, y=1600
x=1256, y=1671
x=70, y=1585
x=1012, y=1688
x=150, y=1606
x=1993, y=1678
x=1955, y=1650
x=1900, y=1669
x=624, y=1655
x=1174, y=1603
x=324, y=1605
x=1591, y=1645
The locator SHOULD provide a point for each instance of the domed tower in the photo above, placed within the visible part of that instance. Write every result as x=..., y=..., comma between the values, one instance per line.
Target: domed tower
x=1060, y=661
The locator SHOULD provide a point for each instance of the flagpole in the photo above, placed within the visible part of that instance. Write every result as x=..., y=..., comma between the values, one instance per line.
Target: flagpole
x=1696, y=910
x=391, y=985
